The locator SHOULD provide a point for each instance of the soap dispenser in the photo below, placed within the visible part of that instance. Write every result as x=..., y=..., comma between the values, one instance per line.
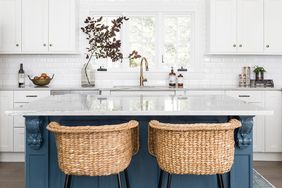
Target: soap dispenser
x=172, y=78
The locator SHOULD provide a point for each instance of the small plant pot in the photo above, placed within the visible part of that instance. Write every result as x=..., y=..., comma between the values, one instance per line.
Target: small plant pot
x=259, y=76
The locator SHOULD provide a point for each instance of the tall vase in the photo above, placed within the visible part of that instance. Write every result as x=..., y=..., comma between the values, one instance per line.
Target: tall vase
x=87, y=75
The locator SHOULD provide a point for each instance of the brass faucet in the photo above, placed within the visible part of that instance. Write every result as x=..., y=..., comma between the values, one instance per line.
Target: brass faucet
x=142, y=79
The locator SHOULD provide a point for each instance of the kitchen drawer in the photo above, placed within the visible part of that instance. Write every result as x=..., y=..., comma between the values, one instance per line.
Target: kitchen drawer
x=19, y=139
x=248, y=96
x=29, y=96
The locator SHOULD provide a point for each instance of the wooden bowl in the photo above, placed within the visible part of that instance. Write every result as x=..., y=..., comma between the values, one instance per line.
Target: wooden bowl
x=41, y=82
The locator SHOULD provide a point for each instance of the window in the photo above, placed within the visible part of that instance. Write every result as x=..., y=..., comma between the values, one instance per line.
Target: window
x=165, y=39
x=177, y=40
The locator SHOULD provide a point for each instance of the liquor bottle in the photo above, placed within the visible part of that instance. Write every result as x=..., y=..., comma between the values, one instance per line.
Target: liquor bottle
x=172, y=78
x=21, y=77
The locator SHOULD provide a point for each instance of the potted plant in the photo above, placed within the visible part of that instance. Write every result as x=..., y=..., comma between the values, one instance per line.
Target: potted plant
x=102, y=44
x=133, y=57
x=259, y=71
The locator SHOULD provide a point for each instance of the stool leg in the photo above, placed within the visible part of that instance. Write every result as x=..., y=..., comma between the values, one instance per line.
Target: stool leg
x=67, y=181
x=220, y=182
x=160, y=179
x=119, y=180
x=169, y=180
x=126, y=178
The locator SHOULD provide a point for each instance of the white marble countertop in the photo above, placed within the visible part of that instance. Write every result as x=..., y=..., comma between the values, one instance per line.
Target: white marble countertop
x=91, y=105
x=137, y=88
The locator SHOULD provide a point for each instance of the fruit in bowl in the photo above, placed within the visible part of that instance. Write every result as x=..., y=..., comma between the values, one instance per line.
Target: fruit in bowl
x=42, y=80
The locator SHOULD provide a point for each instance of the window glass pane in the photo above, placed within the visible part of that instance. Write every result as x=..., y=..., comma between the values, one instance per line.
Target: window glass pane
x=142, y=36
x=177, y=40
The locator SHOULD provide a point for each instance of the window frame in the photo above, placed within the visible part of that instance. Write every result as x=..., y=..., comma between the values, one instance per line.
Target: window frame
x=160, y=15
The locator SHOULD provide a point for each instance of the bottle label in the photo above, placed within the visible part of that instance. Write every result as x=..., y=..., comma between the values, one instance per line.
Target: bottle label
x=21, y=80
x=172, y=79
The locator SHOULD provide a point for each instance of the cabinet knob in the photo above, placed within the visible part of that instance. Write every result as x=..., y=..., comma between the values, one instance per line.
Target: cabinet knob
x=51, y=45
x=234, y=45
x=17, y=45
x=240, y=45
x=44, y=45
x=267, y=46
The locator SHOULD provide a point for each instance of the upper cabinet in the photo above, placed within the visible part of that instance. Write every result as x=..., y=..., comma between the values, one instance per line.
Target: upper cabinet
x=250, y=26
x=62, y=22
x=272, y=26
x=35, y=25
x=38, y=26
x=223, y=26
x=245, y=27
x=10, y=26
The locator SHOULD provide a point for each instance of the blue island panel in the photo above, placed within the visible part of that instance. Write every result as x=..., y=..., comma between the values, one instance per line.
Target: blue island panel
x=42, y=169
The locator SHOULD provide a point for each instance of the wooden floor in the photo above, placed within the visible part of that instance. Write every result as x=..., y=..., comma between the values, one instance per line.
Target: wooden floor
x=12, y=174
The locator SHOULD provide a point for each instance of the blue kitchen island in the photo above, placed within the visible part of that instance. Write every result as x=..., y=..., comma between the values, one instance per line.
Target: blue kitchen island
x=42, y=169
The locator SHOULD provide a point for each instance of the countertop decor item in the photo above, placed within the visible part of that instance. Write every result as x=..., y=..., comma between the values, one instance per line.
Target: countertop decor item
x=102, y=41
x=42, y=80
x=133, y=58
x=259, y=71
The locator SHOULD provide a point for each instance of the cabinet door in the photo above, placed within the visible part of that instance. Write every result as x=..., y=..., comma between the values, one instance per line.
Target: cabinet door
x=35, y=25
x=19, y=139
x=250, y=26
x=6, y=122
x=273, y=27
x=273, y=129
x=10, y=26
x=62, y=22
x=223, y=26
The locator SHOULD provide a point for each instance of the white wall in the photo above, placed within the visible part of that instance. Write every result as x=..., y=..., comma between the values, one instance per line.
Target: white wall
x=206, y=70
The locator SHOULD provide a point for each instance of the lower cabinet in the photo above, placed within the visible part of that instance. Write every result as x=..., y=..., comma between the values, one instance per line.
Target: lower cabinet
x=19, y=139
x=22, y=98
x=12, y=128
x=267, y=130
x=273, y=124
x=6, y=122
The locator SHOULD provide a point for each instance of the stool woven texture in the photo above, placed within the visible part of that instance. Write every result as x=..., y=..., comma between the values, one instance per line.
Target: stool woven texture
x=200, y=149
x=95, y=150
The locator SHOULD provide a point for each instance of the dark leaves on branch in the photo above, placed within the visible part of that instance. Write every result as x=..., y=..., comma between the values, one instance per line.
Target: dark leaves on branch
x=102, y=38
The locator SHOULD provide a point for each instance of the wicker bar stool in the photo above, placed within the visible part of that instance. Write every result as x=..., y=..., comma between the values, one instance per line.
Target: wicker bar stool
x=197, y=149
x=95, y=150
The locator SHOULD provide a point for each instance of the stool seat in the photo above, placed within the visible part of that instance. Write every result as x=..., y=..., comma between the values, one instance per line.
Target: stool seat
x=95, y=150
x=198, y=149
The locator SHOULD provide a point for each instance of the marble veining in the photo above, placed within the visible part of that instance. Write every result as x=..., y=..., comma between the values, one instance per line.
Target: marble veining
x=89, y=105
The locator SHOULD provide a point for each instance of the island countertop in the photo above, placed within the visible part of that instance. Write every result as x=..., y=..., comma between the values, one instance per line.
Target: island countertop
x=92, y=105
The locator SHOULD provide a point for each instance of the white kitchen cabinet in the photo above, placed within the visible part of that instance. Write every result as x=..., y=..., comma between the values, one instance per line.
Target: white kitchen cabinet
x=223, y=26
x=10, y=26
x=273, y=124
x=6, y=122
x=245, y=27
x=272, y=26
x=250, y=26
x=257, y=98
x=48, y=26
x=62, y=22
x=35, y=25
x=22, y=98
